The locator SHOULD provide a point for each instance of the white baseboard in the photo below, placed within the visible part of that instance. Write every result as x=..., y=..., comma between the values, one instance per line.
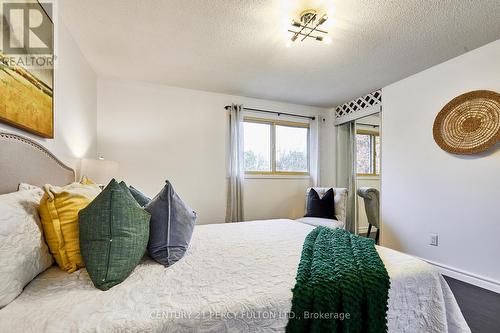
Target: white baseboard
x=464, y=276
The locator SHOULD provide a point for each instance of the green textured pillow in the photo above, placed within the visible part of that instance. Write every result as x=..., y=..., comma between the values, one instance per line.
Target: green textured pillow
x=114, y=233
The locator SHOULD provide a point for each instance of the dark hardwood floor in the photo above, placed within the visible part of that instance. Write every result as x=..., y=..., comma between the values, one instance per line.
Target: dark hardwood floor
x=480, y=307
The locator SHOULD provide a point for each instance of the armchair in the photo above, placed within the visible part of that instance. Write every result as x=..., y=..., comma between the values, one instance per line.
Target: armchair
x=371, y=196
x=340, y=203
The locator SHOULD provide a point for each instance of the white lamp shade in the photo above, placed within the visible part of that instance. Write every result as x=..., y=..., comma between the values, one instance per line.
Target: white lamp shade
x=100, y=171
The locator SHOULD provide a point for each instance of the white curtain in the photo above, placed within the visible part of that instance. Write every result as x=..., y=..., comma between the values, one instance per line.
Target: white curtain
x=346, y=170
x=314, y=157
x=234, y=208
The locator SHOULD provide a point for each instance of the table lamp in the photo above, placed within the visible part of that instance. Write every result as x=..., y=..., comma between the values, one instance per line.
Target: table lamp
x=100, y=171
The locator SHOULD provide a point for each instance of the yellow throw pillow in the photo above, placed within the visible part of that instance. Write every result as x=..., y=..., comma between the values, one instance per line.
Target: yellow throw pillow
x=58, y=211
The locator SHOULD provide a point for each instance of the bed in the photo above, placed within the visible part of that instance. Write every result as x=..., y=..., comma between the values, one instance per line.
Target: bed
x=234, y=278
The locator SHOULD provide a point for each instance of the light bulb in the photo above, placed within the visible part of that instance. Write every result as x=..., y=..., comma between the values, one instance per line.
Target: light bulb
x=288, y=44
x=327, y=40
x=322, y=19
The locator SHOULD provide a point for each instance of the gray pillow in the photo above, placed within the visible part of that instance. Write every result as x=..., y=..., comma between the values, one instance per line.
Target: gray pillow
x=171, y=226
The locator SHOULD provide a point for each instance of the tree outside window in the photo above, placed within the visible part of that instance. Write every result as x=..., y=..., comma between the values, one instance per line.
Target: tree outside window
x=368, y=153
x=275, y=147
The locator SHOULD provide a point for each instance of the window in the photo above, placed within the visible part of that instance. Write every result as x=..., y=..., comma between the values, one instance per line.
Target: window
x=275, y=147
x=368, y=153
x=257, y=143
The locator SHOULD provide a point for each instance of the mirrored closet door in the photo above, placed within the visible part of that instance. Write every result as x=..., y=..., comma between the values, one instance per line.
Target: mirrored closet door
x=368, y=175
x=358, y=169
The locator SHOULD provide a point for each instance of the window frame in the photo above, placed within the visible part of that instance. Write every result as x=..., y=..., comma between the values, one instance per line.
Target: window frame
x=373, y=149
x=273, y=123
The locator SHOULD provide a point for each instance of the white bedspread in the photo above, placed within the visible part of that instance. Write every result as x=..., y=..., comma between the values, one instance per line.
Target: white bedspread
x=234, y=278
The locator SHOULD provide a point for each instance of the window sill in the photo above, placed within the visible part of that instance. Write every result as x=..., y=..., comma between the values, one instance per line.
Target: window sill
x=276, y=176
x=367, y=176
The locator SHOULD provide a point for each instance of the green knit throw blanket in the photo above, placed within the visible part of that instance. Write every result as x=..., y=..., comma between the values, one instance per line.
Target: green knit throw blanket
x=342, y=285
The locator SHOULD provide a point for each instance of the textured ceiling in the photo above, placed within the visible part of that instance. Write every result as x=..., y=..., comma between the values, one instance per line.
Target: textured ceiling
x=238, y=47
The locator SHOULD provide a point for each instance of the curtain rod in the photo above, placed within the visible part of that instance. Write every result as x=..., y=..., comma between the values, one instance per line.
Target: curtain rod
x=227, y=107
x=368, y=125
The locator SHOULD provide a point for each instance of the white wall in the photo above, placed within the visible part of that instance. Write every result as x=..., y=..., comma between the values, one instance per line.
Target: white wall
x=426, y=190
x=75, y=116
x=327, y=148
x=158, y=132
x=274, y=198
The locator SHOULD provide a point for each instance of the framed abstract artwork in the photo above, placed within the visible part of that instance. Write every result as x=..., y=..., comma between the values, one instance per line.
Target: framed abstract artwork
x=27, y=66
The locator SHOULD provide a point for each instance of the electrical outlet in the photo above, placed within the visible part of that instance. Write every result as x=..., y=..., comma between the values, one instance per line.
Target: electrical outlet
x=434, y=240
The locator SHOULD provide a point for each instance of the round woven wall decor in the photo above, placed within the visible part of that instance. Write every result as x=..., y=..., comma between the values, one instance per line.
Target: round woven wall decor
x=469, y=123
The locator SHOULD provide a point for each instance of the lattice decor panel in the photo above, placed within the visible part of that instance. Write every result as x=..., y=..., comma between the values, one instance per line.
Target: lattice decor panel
x=358, y=104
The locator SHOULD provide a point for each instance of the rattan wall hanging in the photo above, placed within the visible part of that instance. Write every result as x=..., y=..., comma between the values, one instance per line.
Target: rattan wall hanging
x=469, y=123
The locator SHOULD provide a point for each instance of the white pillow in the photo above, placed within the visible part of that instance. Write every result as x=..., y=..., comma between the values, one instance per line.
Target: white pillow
x=23, y=252
x=26, y=187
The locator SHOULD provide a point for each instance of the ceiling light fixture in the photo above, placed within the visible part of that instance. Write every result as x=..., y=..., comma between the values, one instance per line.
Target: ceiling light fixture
x=308, y=27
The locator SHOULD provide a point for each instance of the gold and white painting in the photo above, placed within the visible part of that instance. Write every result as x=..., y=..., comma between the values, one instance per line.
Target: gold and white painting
x=26, y=67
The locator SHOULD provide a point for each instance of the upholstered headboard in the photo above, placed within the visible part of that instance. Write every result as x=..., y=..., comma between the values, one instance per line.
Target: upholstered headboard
x=24, y=161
